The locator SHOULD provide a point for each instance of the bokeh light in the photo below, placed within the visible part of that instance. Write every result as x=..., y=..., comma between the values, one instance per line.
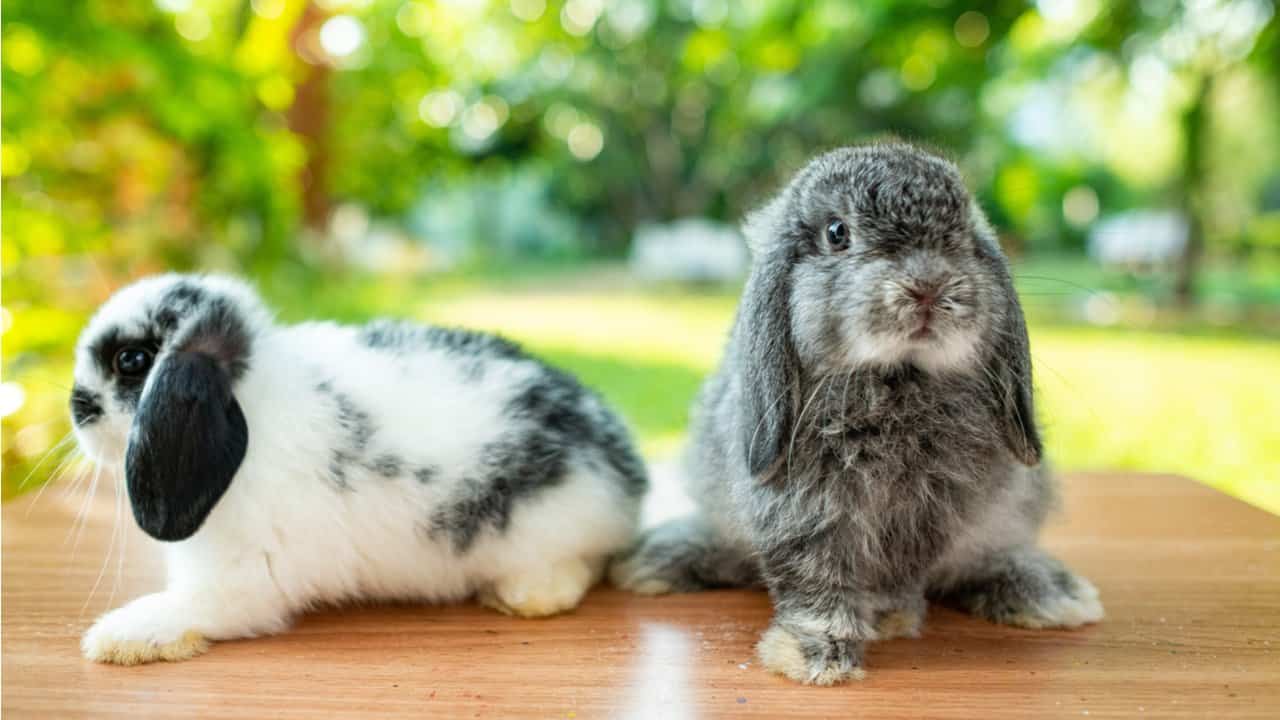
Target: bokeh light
x=578, y=17
x=341, y=35
x=972, y=29
x=585, y=140
x=440, y=108
x=528, y=10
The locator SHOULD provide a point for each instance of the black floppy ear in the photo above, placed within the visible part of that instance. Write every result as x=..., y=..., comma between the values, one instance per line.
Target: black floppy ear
x=1010, y=374
x=768, y=372
x=187, y=441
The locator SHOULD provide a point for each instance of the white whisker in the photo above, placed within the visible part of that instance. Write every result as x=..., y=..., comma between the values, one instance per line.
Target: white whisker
x=82, y=517
x=111, y=546
x=70, y=463
x=800, y=420
x=74, y=488
x=44, y=458
x=124, y=541
x=763, y=417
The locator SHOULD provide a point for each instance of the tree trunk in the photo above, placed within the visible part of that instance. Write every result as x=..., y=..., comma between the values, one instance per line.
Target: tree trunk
x=1195, y=122
x=308, y=117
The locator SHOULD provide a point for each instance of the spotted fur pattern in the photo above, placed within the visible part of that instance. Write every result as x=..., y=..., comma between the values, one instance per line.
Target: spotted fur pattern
x=860, y=449
x=390, y=461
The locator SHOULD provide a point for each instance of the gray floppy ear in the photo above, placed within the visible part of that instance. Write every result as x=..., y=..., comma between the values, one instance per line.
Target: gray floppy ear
x=1011, y=376
x=1008, y=368
x=768, y=370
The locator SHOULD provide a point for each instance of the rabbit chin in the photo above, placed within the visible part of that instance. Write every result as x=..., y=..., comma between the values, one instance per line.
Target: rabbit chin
x=942, y=351
x=103, y=442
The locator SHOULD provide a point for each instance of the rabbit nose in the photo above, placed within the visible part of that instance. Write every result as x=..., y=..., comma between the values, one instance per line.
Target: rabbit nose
x=924, y=294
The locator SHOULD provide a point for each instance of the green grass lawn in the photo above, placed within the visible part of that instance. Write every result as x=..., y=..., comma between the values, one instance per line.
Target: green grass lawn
x=1205, y=405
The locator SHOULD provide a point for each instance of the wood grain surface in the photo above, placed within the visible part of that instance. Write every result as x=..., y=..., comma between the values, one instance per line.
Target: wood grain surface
x=1189, y=578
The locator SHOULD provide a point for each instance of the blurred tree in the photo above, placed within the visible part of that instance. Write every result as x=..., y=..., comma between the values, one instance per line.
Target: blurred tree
x=636, y=110
x=309, y=115
x=140, y=135
x=1200, y=42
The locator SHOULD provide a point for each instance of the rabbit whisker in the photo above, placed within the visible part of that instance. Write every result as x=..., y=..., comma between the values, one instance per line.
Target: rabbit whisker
x=763, y=418
x=44, y=458
x=69, y=463
x=795, y=430
x=82, y=517
x=106, y=559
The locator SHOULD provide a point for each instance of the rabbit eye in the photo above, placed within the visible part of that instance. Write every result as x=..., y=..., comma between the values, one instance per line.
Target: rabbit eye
x=838, y=235
x=132, y=361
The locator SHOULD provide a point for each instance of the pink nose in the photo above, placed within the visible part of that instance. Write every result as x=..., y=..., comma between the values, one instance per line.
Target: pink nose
x=924, y=295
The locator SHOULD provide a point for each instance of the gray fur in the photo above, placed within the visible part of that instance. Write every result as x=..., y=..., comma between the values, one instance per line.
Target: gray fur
x=357, y=429
x=555, y=422
x=852, y=469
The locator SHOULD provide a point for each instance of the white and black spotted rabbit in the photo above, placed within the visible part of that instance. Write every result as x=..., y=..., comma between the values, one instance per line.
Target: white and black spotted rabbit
x=869, y=440
x=287, y=466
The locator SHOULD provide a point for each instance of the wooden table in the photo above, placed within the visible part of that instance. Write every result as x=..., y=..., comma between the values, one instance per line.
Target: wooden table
x=1190, y=578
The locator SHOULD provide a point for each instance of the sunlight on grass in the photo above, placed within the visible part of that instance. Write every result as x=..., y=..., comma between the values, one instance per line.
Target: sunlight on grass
x=674, y=328
x=1204, y=407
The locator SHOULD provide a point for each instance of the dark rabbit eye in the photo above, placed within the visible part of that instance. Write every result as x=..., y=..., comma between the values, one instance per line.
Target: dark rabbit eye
x=133, y=361
x=838, y=235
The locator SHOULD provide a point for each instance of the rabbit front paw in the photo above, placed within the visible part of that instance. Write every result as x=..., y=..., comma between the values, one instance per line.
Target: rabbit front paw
x=812, y=659
x=144, y=631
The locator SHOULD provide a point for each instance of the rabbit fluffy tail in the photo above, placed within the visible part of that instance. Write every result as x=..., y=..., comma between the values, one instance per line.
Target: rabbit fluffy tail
x=683, y=555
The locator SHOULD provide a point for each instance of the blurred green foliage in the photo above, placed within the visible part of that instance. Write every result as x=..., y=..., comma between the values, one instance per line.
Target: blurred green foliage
x=277, y=137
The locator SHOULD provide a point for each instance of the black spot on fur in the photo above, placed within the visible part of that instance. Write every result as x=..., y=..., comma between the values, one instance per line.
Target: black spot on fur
x=339, y=461
x=86, y=406
x=567, y=412
x=386, y=465
x=176, y=303
x=398, y=336
x=425, y=474
x=512, y=470
x=357, y=430
x=558, y=421
x=355, y=422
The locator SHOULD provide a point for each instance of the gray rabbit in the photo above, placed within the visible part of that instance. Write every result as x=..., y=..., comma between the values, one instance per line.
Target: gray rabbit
x=869, y=441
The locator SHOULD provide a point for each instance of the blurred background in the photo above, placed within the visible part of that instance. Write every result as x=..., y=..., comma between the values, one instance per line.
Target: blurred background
x=571, y=174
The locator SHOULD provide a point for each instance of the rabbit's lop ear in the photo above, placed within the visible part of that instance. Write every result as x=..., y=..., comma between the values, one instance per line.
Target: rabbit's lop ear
x=1010, y=376
x=1008, y=368
x=189, y=437
x=768, y=371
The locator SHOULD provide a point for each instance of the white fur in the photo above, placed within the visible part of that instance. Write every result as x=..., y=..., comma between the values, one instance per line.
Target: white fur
x=285, y=538
x=952, y=350
x=948, y=349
